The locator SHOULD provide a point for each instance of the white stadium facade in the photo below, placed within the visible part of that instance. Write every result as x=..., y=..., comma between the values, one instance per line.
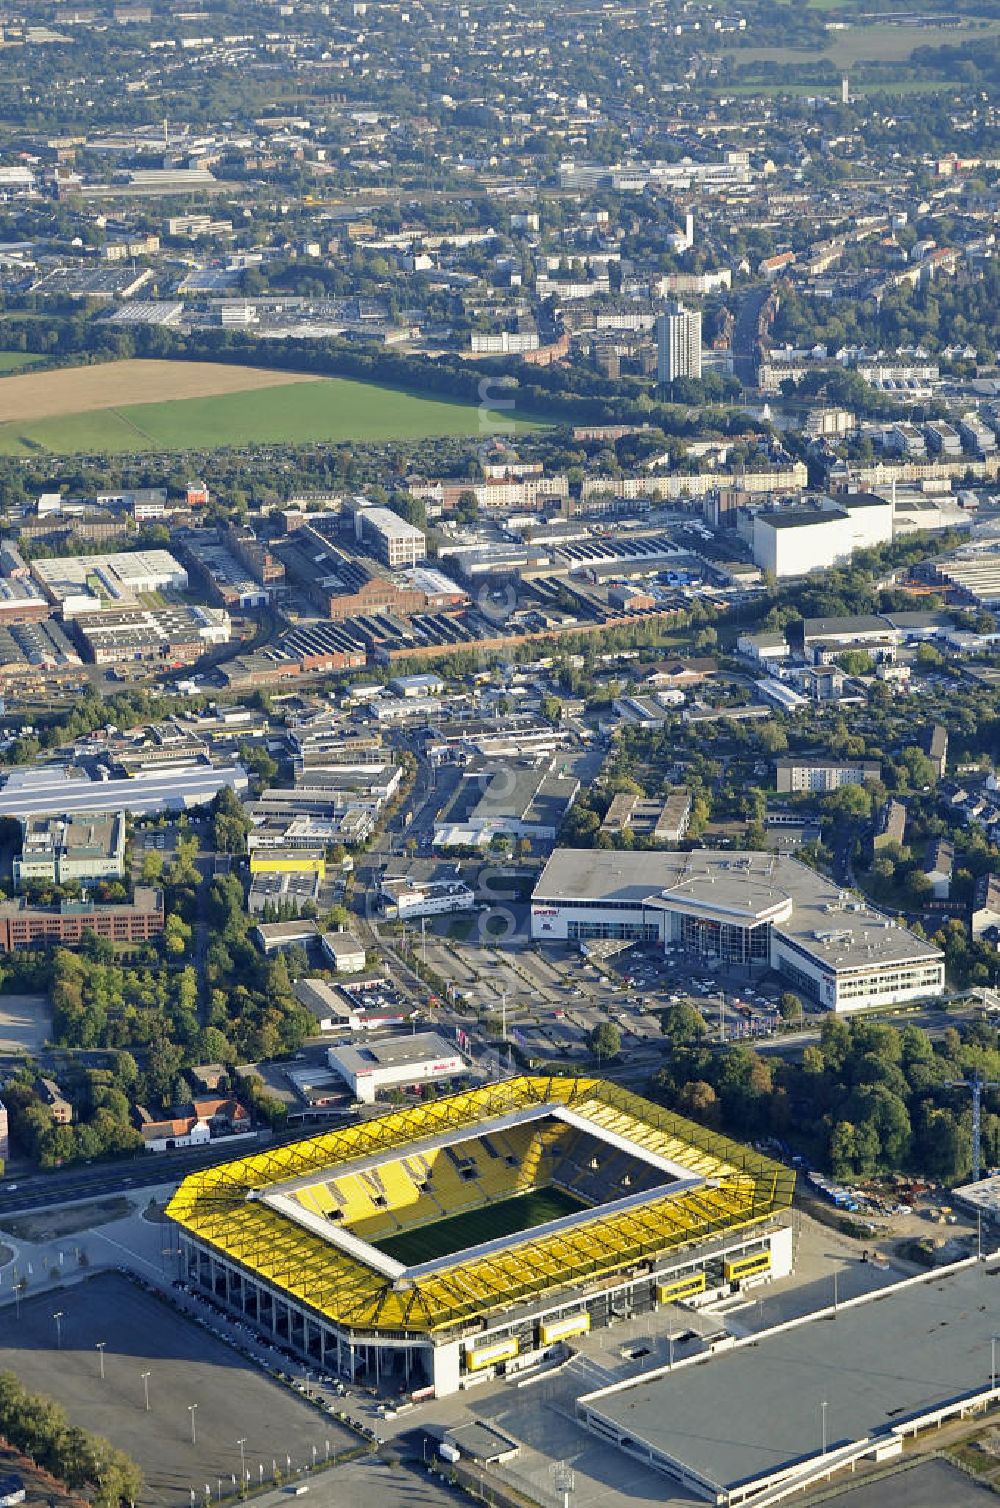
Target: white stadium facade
x=747, y=910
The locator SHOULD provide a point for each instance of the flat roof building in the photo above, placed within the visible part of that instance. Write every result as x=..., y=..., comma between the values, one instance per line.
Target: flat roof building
x=282, y=892
x=813, y=1395
x=396, y=1063
x=344, y=951
x=58, y=791
x=664, y=821
x=803, y=773
x=86, y=583
x=395, y=541
x=406, y=898
x=522, y=798
x=753, y=910
x=68, y=922
x=795, y=541
x=57, y=850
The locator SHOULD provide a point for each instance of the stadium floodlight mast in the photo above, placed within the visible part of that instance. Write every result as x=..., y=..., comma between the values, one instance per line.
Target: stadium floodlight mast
x=58, y=1317
x=145, y=1388
x=194, y=1433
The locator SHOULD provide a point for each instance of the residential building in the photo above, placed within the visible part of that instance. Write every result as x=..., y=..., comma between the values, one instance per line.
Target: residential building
x=985, y=919
x=939, y=862
x=890, y=828
x=194, y=1126
x=55, y=1102
x=934, y=743
x=678, y=343
x=802, y=773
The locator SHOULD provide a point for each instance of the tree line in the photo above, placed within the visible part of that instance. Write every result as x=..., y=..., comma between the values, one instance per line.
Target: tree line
x=86, y=1463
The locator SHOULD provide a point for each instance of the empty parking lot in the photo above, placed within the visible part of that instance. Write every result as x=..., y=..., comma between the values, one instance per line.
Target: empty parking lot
x=191, y=1372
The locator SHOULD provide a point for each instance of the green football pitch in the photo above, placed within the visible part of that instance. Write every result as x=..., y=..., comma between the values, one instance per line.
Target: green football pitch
x=456, y=1232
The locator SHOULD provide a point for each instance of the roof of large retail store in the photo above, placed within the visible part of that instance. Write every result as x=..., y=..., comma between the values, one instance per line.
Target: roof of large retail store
x=834, y=926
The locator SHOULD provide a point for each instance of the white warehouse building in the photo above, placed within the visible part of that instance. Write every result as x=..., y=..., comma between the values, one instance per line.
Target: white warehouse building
x=749, y=910
x=795, y=541
x=396, y=1063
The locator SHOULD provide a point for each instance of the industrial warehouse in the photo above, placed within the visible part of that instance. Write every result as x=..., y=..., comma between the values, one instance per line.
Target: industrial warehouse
x=470, y=1235
x=815, y=1395
x=750, y=911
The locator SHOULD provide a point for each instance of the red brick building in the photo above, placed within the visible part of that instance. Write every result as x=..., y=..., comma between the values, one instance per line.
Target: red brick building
x=25, y=926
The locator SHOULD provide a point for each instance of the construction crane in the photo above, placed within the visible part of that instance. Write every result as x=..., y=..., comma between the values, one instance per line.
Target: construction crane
x=977, y=1085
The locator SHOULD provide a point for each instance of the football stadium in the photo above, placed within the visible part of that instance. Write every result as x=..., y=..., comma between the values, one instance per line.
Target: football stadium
x=470, y=1235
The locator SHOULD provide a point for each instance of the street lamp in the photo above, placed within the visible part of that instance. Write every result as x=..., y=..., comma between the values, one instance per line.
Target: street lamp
x=100, y=1351
x=823, y=1412
x=57, y=1316
x=194, y=1434
x=241, y=1442
x=145, y=1388
x=993, y=1360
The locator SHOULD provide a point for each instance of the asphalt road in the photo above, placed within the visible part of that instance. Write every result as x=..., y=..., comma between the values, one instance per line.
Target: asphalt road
x=745, y=334
x=41, y=1190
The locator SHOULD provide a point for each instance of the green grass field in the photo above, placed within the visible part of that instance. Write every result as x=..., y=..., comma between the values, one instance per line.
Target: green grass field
x=473, y=1226
x=16, y=361
x=861, y=43
x=330, y=409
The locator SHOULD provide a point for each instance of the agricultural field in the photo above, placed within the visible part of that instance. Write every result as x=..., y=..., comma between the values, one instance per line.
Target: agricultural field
x=16, y=361
x=859, y=43
x=204, y=405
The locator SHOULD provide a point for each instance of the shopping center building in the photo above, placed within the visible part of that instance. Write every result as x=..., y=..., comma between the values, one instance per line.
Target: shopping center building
x=746, y=910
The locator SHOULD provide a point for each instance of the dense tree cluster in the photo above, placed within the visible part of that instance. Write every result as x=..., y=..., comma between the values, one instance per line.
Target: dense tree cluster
x=87, y=1463
x=868, y=1098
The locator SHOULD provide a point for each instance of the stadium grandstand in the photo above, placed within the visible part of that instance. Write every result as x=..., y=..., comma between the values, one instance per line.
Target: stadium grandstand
x=473, y=1233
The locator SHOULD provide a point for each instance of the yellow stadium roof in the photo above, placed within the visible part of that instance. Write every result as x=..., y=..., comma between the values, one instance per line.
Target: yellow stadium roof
x=732, y=1187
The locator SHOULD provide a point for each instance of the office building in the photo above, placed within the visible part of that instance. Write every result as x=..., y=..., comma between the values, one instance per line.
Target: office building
x=395, y=542
x=57, y=851
x=67, y=923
